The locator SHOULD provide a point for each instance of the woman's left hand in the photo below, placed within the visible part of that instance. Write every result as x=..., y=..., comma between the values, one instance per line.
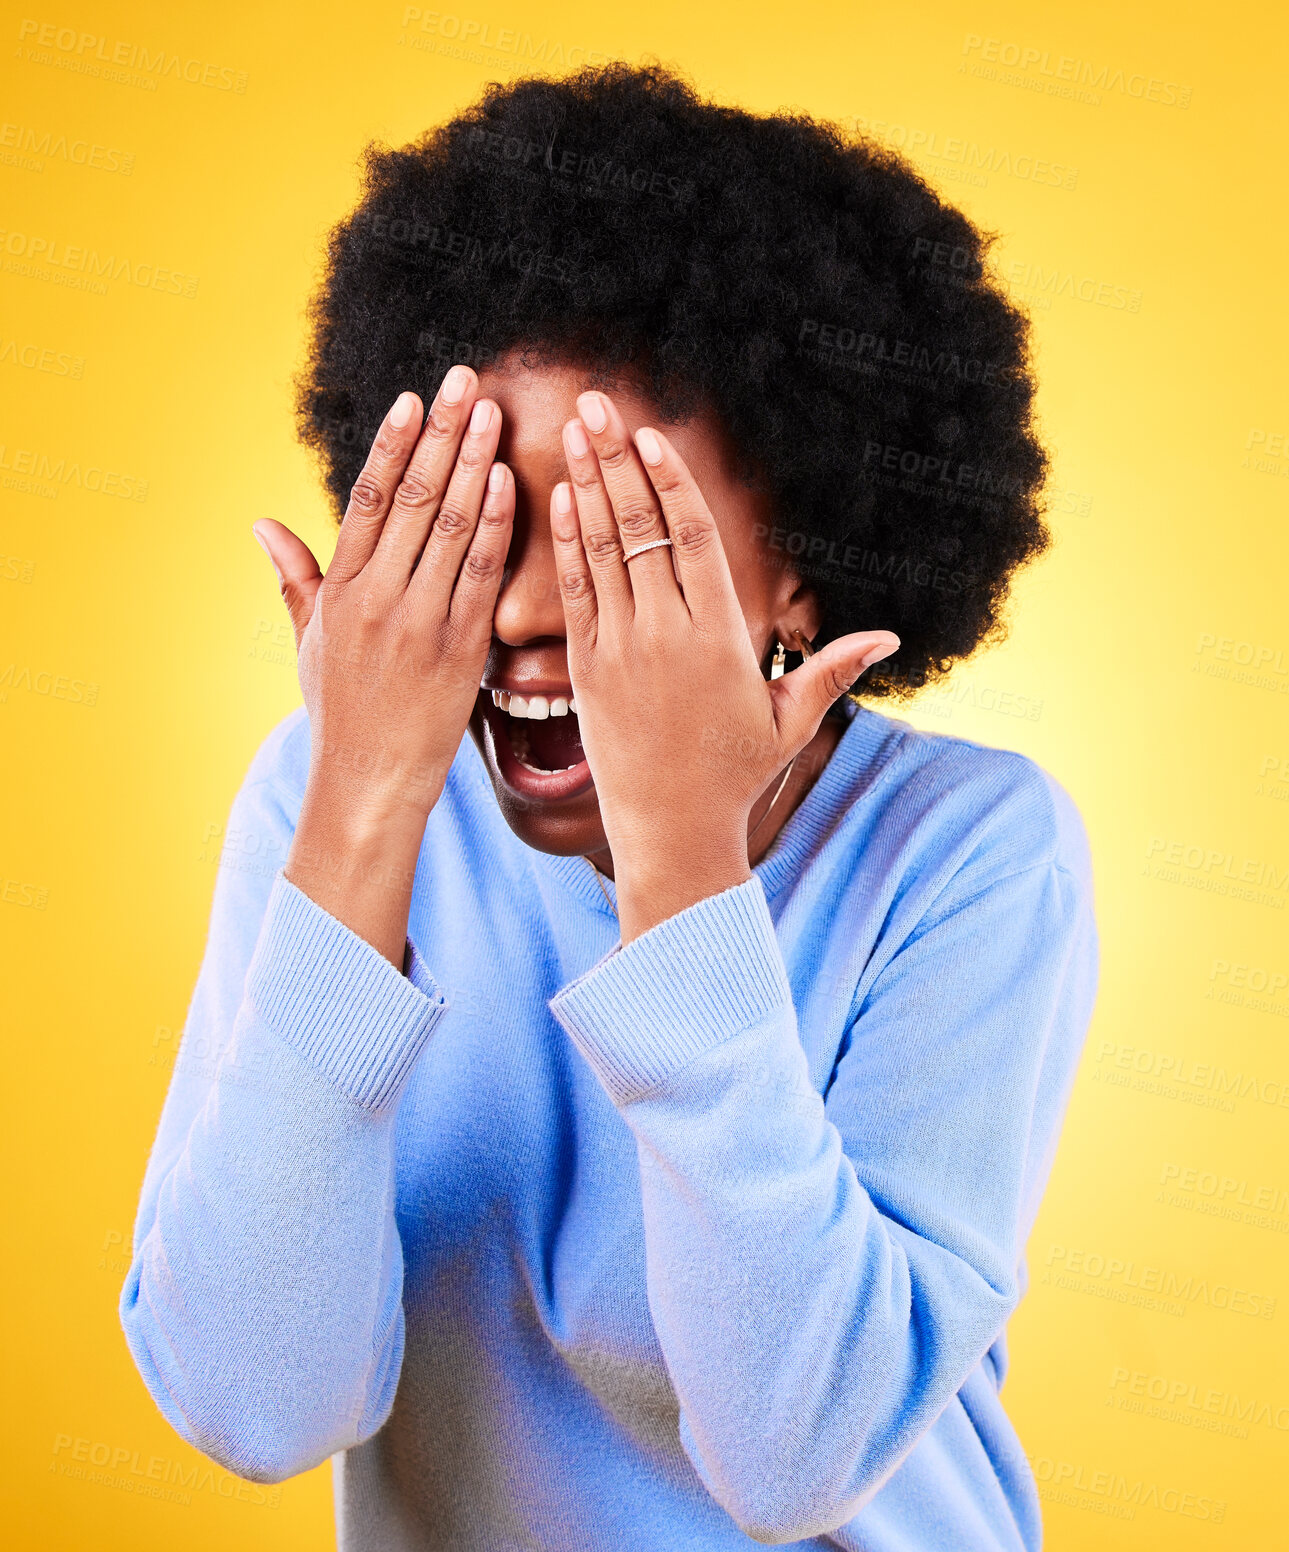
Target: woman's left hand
x=681, y=729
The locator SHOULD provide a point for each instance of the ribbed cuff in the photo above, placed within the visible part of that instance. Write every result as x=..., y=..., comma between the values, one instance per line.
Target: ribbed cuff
x=645, y=1011
x=338, y=1002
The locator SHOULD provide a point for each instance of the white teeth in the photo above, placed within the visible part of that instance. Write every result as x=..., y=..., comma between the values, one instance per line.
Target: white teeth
x=534, y=707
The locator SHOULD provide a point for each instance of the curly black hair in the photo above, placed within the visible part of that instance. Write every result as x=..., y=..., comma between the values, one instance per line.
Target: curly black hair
x=806, y=285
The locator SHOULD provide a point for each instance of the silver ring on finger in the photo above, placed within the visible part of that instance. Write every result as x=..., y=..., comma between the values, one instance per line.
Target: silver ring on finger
x=641, y=548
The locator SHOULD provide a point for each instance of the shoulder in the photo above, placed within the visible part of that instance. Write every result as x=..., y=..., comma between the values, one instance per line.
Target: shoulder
x=984, y=811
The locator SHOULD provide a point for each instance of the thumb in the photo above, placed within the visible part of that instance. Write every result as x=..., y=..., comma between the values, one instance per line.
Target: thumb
x=298, y=575
x=802, y=697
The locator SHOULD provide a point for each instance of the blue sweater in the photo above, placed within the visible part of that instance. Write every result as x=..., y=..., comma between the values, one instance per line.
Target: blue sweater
x=701, y=1242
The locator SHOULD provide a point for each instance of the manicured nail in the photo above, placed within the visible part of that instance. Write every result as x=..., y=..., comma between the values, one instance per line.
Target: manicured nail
x=649, y=445
x=591, y=408
x=454, y=385
x=401, y=413
x=497, y=477
x=578, y=444
x=481, y=416
x=875, y=655
x=563, y=498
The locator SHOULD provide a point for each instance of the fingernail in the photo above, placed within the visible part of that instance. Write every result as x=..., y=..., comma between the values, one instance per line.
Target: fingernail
x=649, y=445
x=481, y=416
x=454, y=385
x=592, y=410
x=563, y=498
x=577, y=440
x=875, y=655
x=401, y=413
x=497, y=477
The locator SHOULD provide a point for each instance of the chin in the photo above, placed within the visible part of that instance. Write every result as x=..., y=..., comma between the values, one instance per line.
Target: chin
x=540, y=778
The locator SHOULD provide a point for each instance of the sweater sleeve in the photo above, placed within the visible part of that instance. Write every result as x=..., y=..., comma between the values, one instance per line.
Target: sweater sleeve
x=263, y=1306
x=824, y=1276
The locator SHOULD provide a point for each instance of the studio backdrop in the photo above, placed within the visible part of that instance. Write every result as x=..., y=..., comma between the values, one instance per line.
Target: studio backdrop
x=169, y=176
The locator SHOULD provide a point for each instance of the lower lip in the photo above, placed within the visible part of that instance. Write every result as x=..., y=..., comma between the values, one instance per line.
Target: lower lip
x=526, y=783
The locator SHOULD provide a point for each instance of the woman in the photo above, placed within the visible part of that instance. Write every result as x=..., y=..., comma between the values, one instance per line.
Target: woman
x=629, y=1120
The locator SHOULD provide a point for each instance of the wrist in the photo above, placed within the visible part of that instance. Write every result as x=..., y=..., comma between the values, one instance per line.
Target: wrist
x=372, y=800
x=352, y=828
x=365, y=777
x=655, y=888
x=356, y=857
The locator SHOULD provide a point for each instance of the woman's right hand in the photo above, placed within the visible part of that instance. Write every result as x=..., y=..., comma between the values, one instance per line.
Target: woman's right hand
x=392, y=643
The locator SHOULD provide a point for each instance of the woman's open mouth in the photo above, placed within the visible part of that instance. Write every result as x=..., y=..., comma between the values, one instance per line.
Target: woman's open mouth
x=536, y=743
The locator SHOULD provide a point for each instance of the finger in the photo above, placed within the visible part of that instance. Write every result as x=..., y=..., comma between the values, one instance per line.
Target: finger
x=373, y=490
x=453, y=526
x=478, y=581
x=802, y=697
x=700, y=560
x=298, y=575
x=424, y=481
x=634, y=502
x=599, y=527
x=576, y=584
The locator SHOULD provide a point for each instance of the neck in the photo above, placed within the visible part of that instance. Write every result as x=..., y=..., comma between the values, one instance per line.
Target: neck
x=770, y=814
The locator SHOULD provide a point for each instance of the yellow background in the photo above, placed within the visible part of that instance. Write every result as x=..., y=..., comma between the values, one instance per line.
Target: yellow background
x=1127, y=672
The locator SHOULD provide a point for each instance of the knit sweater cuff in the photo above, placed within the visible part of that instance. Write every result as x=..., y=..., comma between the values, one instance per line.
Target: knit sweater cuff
x=341, y=1004
x=645, y=1011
